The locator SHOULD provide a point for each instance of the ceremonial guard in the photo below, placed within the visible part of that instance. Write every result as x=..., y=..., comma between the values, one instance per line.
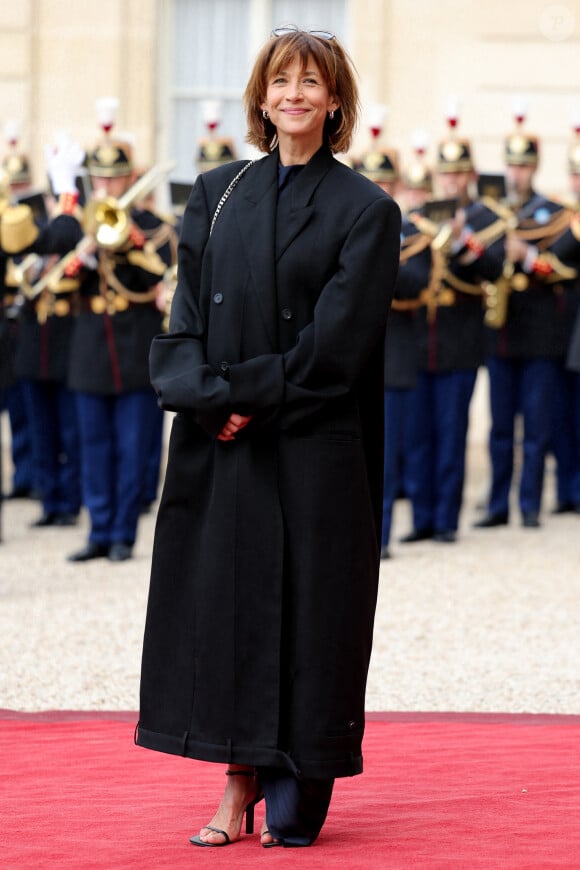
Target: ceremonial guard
x=527, y=334
x=7, y=301
x=450, y=341
x=154, y=428
x=213, y=150
x=6, y=336
x=126, y=256
x=568, y=455
x=381, y=165
x=41, y=363
x=401, y=356
x=16, y=172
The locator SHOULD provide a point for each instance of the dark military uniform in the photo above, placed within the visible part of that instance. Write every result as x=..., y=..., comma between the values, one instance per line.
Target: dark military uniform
x=526, y=354
x=566, y=434
x=15, y=174
x=449, y=333
x=108, y=369
x=401, y=362
x=381, y=165
x=41, y=364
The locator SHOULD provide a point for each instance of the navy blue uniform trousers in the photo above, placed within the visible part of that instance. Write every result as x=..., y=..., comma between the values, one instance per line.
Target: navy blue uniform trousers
x=525, y=386
x=566, y=436
x=437, y=431
x=55, y=445
x=395, y=465
x=115, y=441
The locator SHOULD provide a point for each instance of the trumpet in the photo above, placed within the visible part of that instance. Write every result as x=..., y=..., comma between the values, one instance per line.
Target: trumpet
x=107, y=222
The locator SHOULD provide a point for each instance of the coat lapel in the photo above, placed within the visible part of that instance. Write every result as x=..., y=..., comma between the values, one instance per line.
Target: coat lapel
x=256, y=216
x=266, y=235
x=296, y=210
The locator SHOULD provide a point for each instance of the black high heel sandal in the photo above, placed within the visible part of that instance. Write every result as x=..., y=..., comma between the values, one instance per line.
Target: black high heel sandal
x=273, y=843
x=249, y=813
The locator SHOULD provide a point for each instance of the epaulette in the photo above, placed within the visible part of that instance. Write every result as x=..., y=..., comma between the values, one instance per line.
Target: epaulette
x=18, y=230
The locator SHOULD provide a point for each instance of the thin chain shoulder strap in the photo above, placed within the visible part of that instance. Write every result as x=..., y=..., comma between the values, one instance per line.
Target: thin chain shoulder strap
x=227, y=192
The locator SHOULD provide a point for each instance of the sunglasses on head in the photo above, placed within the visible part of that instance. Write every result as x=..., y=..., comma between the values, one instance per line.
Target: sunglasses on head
x=290, y=28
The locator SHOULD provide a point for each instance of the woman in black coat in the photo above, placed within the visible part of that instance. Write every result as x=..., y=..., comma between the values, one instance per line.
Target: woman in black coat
x=266, y=555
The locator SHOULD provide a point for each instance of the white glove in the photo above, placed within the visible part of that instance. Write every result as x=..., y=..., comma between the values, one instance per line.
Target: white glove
x=63, y=162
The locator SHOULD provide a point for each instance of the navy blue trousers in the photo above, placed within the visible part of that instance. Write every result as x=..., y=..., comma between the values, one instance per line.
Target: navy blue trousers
x=154, y=451
x=437, y=432
x=525, y=387
x=565, y=440
x=395, y=464
x=24, y=476
x=55, y=445
x=295, y=808
x=114, y=442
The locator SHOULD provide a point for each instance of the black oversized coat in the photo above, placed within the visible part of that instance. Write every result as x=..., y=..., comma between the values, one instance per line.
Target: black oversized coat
x=265, y=563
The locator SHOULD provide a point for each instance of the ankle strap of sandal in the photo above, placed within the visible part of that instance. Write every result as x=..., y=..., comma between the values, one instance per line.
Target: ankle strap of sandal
x=250, y=772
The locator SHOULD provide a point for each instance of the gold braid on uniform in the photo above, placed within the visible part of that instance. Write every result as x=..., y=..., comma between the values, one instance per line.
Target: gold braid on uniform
x=109, y=284
x=462, y=286
x=424, y=225
x=551, y=269
x=413, y=245
x=147, y=258
x=545, y=234
x=435, y=294
x=410, y=247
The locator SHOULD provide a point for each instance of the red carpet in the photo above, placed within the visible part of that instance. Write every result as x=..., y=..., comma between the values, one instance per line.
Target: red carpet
x=458, y=791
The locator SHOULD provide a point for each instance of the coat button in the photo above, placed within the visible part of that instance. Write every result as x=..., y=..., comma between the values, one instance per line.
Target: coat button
x=218, y=298
x=351, y=725
x=224, y=368
x=286, y=314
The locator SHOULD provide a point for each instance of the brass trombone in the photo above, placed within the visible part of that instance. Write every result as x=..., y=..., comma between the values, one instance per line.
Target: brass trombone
x=107, y=222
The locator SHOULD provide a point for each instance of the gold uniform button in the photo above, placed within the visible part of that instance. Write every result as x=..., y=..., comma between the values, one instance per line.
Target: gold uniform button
x=98, y=304
x=61, y=307
x=120, y=303
x=520, y=281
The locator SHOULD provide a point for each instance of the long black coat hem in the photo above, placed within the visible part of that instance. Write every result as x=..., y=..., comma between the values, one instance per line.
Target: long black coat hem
x=251, y=755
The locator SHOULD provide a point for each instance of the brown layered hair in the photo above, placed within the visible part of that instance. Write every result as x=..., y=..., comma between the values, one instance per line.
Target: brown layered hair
x=337, y=70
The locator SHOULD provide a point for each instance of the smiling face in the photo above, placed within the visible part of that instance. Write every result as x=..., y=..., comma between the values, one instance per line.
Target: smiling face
x=298, y=102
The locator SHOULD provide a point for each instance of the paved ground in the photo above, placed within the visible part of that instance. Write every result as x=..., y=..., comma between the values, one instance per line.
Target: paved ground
x=487, y=624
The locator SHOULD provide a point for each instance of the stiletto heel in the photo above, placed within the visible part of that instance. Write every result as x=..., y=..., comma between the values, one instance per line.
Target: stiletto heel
x=249, y=813
x=250, y=818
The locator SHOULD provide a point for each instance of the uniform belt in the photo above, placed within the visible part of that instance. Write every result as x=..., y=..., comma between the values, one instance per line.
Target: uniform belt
x=54, y=307
x=443, y=298
x=111, y=305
